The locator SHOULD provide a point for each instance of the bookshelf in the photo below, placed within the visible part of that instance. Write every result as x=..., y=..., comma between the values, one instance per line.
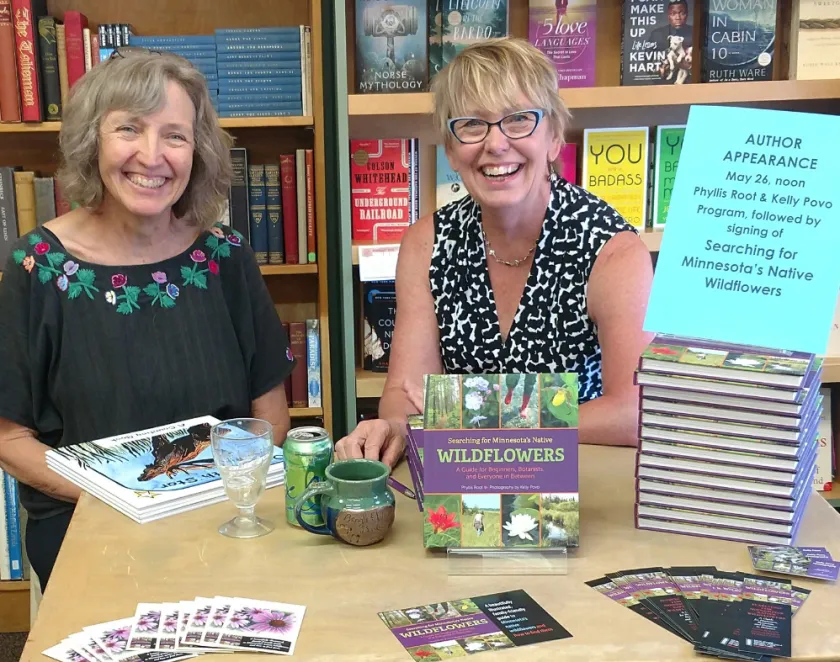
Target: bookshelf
x=608, y=104
x=299, y=291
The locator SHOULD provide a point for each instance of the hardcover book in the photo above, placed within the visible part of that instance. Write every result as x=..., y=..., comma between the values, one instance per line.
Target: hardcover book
x=616, y=169
x=657, y=46
x=565, y=31
x=500, y=461
x=382, y=188
x=740, y=40
x=726, y=361
x=466, y=22
x=391, y=46
x=153, y=473
x=380, y=306
x=669, y=141
x=815, y=40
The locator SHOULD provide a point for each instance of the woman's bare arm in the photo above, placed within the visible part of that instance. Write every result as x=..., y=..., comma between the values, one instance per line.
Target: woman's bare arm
x=617, y=296
x=272, y=407
x=415, y=351
x=25, y=458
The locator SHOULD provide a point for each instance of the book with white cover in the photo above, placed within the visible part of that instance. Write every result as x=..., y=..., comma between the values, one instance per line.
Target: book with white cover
x=157, y=472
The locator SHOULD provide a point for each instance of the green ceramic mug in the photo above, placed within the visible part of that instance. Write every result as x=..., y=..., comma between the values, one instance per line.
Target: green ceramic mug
x=356, y=503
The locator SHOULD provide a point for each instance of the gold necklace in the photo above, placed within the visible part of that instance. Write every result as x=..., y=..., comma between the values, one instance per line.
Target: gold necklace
x=507, y=263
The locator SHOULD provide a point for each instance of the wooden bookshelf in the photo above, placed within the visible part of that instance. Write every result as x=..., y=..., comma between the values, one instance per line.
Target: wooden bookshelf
x=14, y=606
x=369, y=384
x=586, y=98
x=306, y=412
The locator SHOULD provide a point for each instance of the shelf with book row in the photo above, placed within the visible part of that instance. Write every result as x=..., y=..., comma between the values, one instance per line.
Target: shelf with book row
x=252, y=72
x=225, y=123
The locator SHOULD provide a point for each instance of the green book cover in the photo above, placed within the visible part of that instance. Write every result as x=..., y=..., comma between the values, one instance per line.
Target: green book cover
x=669, y=142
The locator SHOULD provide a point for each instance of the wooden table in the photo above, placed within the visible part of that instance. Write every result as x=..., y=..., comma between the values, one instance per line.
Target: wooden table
x=108, y=564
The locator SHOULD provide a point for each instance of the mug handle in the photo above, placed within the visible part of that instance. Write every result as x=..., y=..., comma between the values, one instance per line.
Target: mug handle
x=314, y=491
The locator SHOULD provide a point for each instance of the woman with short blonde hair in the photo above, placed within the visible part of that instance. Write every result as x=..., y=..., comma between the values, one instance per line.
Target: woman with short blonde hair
x=137, y=308
x=527, y=274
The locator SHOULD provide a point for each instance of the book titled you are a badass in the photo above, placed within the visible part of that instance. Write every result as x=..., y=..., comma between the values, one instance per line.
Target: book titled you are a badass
x=500, y=461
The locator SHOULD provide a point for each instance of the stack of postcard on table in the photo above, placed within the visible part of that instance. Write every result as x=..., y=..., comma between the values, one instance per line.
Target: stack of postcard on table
x=733, y=615
x=728, y=439
x=811, y=562
x=165, y=632
x=153, y=473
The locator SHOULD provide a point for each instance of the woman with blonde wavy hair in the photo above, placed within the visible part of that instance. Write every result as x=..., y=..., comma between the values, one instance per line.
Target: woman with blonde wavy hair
x=527, y=274
x=136, y=308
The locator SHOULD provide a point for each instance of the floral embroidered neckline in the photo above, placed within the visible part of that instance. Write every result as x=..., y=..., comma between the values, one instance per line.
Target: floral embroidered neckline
x=69, y=277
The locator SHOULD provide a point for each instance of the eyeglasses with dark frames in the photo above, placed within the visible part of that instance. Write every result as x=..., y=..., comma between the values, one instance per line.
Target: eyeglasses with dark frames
x=521, y=124
x=128, y=51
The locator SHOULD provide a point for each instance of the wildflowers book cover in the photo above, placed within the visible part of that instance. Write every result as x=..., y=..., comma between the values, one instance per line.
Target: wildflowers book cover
x=500, y=461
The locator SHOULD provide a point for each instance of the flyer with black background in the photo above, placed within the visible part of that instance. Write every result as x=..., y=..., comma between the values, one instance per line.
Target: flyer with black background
x=455, y=628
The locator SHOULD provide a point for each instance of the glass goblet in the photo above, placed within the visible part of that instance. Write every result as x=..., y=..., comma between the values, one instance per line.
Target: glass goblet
x=242, y=451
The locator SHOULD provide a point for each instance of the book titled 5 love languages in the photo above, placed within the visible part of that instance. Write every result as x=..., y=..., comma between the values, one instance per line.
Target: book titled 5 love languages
x=458, y=628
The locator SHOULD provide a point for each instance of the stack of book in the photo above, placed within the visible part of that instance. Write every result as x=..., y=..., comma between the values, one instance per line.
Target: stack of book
x=264, y=72
x=154, y=473
x=728, y=438
x=200, y=50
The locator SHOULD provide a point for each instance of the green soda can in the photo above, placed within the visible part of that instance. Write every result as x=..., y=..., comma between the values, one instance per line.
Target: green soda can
x=307, y=453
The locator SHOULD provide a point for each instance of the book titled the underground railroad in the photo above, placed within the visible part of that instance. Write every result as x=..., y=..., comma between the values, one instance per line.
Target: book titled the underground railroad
x=500, y=461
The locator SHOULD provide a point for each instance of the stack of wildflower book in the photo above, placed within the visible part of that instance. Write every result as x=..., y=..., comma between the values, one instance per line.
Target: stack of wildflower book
x=728, y=439
x=494, y=461
x=153, y=473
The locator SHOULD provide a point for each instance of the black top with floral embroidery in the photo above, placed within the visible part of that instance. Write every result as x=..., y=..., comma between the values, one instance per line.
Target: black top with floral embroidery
x=90, y=351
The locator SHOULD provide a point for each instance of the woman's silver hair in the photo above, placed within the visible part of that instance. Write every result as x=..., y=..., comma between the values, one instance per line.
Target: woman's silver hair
x=138, y=83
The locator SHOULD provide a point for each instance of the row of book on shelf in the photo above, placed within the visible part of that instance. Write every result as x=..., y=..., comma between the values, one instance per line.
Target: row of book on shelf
x=400, y=48
x=271, y=204
x=632, y=168
x=250, y=72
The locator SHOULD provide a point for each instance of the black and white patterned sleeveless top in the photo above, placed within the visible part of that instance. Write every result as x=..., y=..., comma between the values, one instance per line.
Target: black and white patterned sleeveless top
x=551, y=330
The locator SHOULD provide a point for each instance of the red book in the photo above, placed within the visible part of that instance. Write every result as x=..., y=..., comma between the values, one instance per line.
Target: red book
x=74, y=43
x=9, y=95
x=380, y=188
x=297, y=343
x=288, y=194
x=23, y=16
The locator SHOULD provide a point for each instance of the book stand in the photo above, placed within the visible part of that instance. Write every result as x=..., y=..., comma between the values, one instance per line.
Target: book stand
x=506, y=561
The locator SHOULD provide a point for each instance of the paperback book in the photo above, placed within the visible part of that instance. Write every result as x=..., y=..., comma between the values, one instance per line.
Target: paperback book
x=463, y=627
x=499, y=461
x=153, y=473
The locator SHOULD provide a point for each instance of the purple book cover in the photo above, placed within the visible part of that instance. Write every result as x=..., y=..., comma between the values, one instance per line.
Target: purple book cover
x=565, y=31
x=500, y=461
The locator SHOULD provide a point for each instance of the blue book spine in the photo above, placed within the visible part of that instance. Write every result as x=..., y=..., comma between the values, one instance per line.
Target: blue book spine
x=191, y=41
x=271, y=86
x=236, y=32
x=13, y=527
x=259, y=225
x=313, y=363
x=282, y=60
x=253, y=56
x=274, y=209
x=257, y=99
x=192, y=54
x=260, y=113
x=271, y=105
x=293, y=50
x=260, y=38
